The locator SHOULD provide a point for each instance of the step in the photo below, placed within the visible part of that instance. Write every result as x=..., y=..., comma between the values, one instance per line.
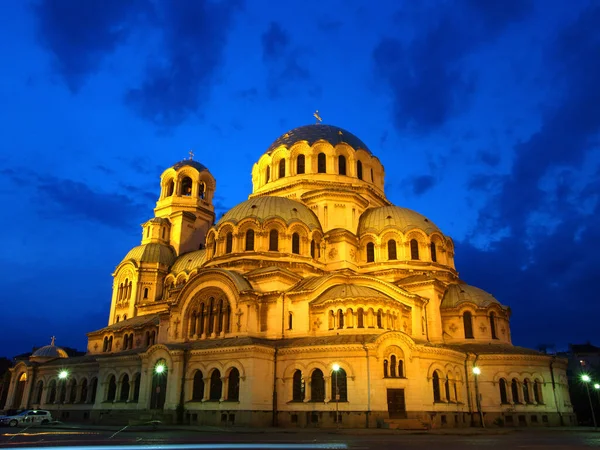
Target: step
x=405, y=424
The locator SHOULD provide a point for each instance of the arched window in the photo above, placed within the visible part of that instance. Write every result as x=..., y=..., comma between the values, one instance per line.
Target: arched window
x=300, y=164
x=201, y=191
x=163, y=232
x=359, y=170
x=392, y=249
x=400, y=368
x=436, y=387
x=514, y=387
x=317, y=386
x=73, y=392
x=268, y=174
x=385, y=368
x=360, y=319
x=112, y=389
x=372, y=176
x=124, y=388
x=170, y=188
x=342, y=165
x=298, y=387
x=198, y=387
x=136, y=387
x=468, y=324
x=370, y=252
x=273, y=241
x=379, y=319
x=233, y=385
x=38, y=392
x=537, y=392
x=340, y=319
x=503, y=395
x=51, y=398
x=186, y=186
x=216, y=386
x=281, y=168
x=290, y=320
x=447, y=388
x=321, y=163
x=493, y=325
x=296, y=243
x=84, y=391
x=118, y=318
x=93, y=389
x=414, y=249
x=393, y=366
x=526, y=398
x=124, y=317
x=339, y=385
x=229, y=242
x=145, y=293
x=312, y=249
x=250, y=240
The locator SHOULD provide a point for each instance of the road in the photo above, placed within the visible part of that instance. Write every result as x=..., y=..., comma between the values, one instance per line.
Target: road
x=196, y=438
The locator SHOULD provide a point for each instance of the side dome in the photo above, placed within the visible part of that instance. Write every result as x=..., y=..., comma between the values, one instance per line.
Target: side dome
x=376, y=220
x=318, y=132
x=152, y=253
x=457, y=294
x=190, y=162
x=263, y=208
x=48, y=352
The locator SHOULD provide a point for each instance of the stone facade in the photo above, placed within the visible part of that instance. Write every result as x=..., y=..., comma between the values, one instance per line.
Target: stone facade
x=316, y=302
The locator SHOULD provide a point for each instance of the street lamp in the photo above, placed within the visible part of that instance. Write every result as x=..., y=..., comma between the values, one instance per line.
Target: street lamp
x=476, y=373
x=336, y=368
x=586, y=379
x=160, y=368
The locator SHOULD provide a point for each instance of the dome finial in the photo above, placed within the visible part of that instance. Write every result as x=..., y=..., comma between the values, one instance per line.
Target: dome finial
x=191, y=153
x=52, y=339
x=317, y=116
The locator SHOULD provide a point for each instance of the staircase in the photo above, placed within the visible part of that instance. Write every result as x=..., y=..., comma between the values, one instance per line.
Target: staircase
x=404, y=424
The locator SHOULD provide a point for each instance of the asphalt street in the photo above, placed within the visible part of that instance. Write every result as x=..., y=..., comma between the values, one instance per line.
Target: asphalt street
x=199, y=438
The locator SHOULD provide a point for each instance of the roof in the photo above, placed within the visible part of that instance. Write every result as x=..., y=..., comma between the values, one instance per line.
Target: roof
x=491, y=349
x=378, y=219
x=317, y=132
x=263, y=208
x=190, y=162
x=189, y=261
x=346, y=291
x=152, y=253
x=457, y=294
x=134, y=322
x=49, y=351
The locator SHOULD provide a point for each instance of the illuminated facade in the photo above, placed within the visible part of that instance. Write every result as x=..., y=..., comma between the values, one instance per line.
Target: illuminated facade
x=315, y=295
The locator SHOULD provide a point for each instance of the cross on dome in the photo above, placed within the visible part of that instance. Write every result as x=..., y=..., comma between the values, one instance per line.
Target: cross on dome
x=191, y=153
x=52, y=339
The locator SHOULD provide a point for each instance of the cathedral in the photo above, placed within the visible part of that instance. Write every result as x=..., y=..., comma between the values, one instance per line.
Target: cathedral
x=314, y=303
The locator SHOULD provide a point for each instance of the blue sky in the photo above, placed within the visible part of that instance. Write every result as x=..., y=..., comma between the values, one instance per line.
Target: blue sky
x=485, y=115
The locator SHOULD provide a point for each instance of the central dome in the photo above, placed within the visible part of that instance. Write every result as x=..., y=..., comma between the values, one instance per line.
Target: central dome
x=317, y=132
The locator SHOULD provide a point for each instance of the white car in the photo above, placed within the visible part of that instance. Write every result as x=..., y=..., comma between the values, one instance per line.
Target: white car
x=27, y=417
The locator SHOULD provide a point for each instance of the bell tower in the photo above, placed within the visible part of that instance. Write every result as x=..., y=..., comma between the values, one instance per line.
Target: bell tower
x=186, y=195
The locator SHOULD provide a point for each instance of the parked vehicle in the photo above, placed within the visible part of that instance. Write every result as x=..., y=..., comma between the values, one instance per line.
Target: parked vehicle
x=27, y=417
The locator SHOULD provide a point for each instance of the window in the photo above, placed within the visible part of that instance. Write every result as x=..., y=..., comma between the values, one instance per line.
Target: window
x=186, y=186
x=340, y=319
x=317, y=386
x=112, y=389
x=370, y=252
x=216, y=386
x=233, y=385
x=503, y=396
x=515, y=390
x=300, y=163
x=84, y=391
x=379, y=319
x=493, y=325
x=145, y=293
x=414, y=249
x=229, y=242
x=296, y=243
x=359, y=170
x=312, y=248
x=136, y=387
x=339, y=385
x=249, y=240
x=401, y=369
x=273, y=241
x=526, y=398
x=436, y=387
x=372, y=176
x=385, y=368
x=468, y=325
x=342, y=165
x=93, y=389
x=198, y=387
x=433, y=252
x=73, y=392
x=281, y=168
x=298, y=387
x=38, y=392
x=321, y=163
x=290, y=320
x=360, y=319
x=537, y=392
x=268, y=174
x=393, y=366
x=124, y=388
x=51, y=398
x=392, y=249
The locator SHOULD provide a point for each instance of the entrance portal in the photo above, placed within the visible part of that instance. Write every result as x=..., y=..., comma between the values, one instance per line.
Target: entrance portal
x=396, y=403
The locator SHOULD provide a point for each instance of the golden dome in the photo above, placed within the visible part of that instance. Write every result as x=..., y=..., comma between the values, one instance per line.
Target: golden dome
x=189, y=261
x=263, y=208
x=151, y=253
x=350, y=291
x=376, y=220
x=457, y=294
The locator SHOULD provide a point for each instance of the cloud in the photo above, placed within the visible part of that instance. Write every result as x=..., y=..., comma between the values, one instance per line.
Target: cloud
x=274, y=42
x=422, y=184
x=80, y=34
x=194, y=38
x=425, y=75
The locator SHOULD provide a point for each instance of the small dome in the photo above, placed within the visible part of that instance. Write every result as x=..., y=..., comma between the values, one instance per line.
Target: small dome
x=152, y=253
x=190, y=162
x=350, y=291
x=457, y=294
x=317, y=132
x=378, y=219
x=263, y=208
x=189, y=261
x=48, y=352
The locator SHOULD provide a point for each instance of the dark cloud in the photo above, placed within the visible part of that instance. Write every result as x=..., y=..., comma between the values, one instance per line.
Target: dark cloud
x=177, y=84
x=81, y=33
x=489, y=158
x=275, y=42
x=422, y=184
x=424, y=75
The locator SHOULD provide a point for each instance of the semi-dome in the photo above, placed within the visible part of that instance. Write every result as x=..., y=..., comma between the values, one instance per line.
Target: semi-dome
x=317, y=132
x=48, y=352
x=152, y=253
x=190, y=162
x=457, y=294
x=263, y=208
x=376, y=220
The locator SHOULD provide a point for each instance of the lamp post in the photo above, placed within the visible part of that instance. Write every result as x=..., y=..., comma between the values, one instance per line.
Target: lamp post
x=476, y=373
x=336, y=368
x=586, y=379
x=62, y=380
